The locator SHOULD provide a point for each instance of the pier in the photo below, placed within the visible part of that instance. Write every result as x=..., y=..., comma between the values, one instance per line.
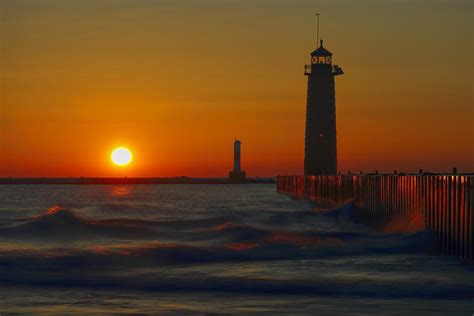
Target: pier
x=442, y=204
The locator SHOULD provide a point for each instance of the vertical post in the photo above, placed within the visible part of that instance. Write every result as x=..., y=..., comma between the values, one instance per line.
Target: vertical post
x=452, y=213
x=439, y=208
x=468, y=215
x=458, y=217
x=470, y=208
x=446, y=188
x=317, y=29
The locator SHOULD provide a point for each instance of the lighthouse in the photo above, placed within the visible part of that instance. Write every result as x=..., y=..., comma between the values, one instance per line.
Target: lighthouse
x=237, y=175
x=320, y=152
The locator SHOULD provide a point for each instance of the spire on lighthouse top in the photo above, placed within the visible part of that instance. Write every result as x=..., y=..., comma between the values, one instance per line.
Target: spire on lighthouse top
x=321, y=51
x=321, y=58
x=321, y=55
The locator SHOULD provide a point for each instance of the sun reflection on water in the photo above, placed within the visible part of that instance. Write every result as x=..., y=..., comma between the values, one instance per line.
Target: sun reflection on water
x=121, y=191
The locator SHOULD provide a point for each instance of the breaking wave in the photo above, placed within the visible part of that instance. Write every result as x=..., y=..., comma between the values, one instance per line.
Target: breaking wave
x=216, y=252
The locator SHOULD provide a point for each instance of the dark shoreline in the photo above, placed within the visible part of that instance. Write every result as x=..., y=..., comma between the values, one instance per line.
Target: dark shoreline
x=121, y=181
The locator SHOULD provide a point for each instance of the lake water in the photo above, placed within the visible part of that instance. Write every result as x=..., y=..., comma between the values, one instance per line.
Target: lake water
x=223, y=249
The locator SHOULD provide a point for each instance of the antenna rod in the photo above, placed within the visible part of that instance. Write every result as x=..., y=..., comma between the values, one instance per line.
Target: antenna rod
x=317, y=28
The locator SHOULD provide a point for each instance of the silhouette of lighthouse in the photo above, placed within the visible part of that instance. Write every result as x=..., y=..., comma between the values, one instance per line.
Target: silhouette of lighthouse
x=237, y=175
x=320, y=152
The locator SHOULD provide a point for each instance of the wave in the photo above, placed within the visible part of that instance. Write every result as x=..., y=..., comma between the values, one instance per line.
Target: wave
x=299, y=228
x=60, y=223
x=262, y=236
x=268, y=246
x=184, y=254
x=141, y=269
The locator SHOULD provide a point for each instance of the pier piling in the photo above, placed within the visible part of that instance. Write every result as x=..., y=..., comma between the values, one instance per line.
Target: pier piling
x=442, y=204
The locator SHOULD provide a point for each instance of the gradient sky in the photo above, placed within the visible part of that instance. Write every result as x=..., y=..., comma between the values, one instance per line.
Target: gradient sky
x=176, y=81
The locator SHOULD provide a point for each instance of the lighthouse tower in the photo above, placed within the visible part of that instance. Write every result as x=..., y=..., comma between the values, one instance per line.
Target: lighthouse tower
x=237, y=175
x=320, y=152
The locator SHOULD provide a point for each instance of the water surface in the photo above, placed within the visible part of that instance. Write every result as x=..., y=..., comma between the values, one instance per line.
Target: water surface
x=234, y=249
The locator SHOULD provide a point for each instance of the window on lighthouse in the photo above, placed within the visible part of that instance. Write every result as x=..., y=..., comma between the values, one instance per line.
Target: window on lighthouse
x=326, y=60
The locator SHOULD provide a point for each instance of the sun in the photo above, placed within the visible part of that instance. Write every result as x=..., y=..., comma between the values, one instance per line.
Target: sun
x=121, y=156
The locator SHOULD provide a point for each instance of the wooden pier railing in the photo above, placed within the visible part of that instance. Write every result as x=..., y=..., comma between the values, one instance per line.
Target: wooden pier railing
x=399, y=203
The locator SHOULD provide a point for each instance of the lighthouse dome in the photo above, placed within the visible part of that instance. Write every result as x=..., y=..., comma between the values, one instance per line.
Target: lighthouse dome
x=321, y=51
x=321, y=56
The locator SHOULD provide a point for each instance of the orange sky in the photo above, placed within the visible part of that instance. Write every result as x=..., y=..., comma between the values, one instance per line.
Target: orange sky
x=177, y=81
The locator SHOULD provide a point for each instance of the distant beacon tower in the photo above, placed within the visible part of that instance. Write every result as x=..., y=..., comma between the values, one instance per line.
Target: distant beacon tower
x=237, y=175
x=320, y=152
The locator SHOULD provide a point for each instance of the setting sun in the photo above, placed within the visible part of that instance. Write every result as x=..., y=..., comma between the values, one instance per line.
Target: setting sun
x=121, y=156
